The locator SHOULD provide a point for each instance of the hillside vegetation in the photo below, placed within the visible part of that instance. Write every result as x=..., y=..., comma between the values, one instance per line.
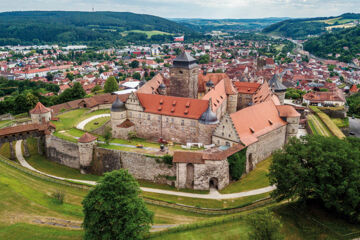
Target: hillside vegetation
x=227, y=25
x=36, y=27
x=345, y=42
x=302, y=28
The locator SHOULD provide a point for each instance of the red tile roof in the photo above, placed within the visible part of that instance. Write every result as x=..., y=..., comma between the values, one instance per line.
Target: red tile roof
x=255, y=121
x=126, y=124
x=173, y=106
x=217, y=95
x=214, y=77
x=247, y=87
x=40, y=109
x=354, y=89
x=27, y=128
x=87, y=138
x=263, y=94
x=287, y=111
x=152, y=85
x=335, y=96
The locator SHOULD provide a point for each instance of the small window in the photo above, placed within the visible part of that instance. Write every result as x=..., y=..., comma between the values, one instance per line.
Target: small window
x=148, y=117
x=130, y=114
x=222, y=134
x=228, y=144
x=181, y=72
x=182, y=122
x=172, y=120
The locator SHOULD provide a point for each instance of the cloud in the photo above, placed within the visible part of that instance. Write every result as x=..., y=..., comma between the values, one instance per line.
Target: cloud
x=196, y=8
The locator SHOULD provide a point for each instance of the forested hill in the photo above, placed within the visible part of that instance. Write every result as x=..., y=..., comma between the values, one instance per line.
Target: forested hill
x=36, y=27
x=303, y=28
x=344, y=42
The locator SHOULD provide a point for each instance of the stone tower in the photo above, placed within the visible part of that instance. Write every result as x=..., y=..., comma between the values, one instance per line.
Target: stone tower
x=184, y=76
x=118, y=115
x=278, y=88
x=86, y=148
x=40, y=113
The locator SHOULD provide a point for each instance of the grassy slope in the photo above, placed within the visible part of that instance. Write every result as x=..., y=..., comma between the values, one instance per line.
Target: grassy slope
x=254, y=180
x=96, y=123
x=25, y=198
x=206, y=203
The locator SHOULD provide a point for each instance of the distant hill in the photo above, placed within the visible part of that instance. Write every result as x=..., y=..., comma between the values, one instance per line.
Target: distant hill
x=208, y=25
x=35, y=27
x=345, y=42
x=303, y=28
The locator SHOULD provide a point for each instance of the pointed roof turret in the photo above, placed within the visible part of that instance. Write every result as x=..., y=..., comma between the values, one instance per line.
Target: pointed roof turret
x=185, y=60
x=118, y=105
x=276, y=84
x=209, y=117
x=87, y=138
x=40, y=109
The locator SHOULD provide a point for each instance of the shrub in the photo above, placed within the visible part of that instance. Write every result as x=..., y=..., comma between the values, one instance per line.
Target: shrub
x=58, y=197
x=237, y=163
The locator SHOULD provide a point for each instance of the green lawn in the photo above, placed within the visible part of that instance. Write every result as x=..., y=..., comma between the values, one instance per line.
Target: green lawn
x=25, y=198
x=206, y=203
x=254, y=180
x=24, y=231
x=70, y=119
x=230, y=231
x=5, y=123
x=67, y=120
x=96, y=123
x=5, y=150
x=148, y=33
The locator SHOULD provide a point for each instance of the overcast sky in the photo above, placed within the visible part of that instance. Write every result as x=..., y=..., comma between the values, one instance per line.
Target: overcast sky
x=195, y=8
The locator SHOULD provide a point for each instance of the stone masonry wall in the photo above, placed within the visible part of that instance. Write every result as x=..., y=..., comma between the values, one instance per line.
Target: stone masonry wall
x=63, y=152
x=266, y=145
x=139, y=165
x=218, y=170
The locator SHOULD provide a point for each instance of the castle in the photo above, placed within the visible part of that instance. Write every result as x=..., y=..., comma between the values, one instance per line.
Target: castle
x=189, y=107
x=207, y=108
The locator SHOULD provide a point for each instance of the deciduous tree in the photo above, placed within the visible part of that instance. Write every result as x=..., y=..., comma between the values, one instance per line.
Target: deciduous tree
x=113, y=209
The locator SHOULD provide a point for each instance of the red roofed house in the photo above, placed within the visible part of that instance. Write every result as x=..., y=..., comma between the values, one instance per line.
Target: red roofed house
x=353, y=89
x=334, y=98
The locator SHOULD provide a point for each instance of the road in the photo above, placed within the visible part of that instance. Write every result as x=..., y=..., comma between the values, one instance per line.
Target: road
x=81, y=125
x=355, y=126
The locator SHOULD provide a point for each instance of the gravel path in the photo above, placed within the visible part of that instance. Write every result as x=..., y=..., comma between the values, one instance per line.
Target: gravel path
x=214, y=194
x=82, y=124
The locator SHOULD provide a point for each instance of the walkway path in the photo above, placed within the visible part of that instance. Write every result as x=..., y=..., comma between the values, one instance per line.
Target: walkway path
x=214, y=194
x=82, y=124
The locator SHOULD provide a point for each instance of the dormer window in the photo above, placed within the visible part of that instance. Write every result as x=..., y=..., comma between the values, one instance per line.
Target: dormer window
x=161, y=101
x=271, y=123
x=187, y=105
x=172, y=110
x=174, y=103
x=252, y=130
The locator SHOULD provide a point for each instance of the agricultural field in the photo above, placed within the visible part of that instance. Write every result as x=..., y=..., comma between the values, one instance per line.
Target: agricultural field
x=148, y=33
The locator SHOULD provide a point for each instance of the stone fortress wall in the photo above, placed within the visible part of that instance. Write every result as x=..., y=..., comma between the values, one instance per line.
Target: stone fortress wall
x=106, y=160
x=264, y=147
